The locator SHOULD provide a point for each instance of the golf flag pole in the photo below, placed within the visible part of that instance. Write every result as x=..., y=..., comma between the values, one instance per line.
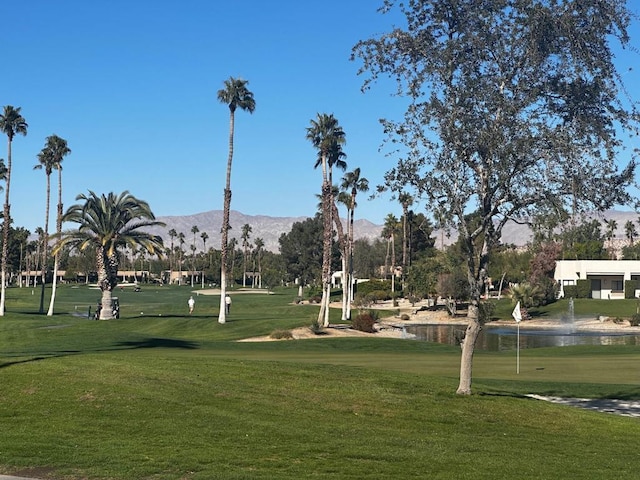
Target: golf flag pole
x=517, y=316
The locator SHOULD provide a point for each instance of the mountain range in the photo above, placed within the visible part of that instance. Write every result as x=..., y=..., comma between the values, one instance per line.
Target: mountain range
x=270, y=228
x=262, y=226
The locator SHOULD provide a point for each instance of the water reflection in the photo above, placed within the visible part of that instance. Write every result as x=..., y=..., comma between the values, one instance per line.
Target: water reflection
x=505, y=338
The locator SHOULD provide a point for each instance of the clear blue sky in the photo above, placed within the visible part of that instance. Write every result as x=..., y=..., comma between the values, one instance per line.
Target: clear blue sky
x=131, y=85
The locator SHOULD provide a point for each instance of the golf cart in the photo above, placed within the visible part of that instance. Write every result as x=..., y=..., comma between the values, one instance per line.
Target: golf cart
x=115, y=306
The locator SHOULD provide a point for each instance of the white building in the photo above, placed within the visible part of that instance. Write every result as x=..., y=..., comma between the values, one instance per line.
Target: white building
x=607, y=276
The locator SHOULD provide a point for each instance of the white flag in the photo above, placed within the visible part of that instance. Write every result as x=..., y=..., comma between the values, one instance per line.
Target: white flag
x=516, y=313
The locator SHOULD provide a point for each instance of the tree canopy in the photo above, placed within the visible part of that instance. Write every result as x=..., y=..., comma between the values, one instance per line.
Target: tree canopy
x=513, y=106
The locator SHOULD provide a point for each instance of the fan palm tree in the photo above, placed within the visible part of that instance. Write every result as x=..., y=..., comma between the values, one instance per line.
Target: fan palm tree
x=612, y=226
x=236, y=95
x=353, y=183
x=204, y=236
x=259, y=243
x=327, y=136
x=181, y=240
x=194, y=230
x=246, y=234
x=11, y=123
x=50, y=158
x=630, y=231
x=106, y=224
x=172, y=235
x=59, y=150
x=389, y=231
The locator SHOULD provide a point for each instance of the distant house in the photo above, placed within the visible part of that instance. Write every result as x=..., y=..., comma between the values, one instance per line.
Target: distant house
x=607, y=276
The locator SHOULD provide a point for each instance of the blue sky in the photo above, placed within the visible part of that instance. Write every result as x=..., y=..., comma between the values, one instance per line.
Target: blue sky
x=131, y=85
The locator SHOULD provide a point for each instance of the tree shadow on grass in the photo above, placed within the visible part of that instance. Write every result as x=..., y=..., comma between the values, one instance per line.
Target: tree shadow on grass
x=128, y=345
x=158, y=343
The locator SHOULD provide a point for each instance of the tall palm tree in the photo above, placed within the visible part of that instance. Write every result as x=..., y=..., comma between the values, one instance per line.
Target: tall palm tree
x=327, y=136
x=194, y=230
x=59, y=149
x=246, y=234
x=612, y=226
x=11, y=123
x=236, y=95
x=172, y=235
x=389, y=231
x=46, y=163
x=406, y=201
x=106, y=224
x=181, y=253
x=630, y=231
x=204, y=236
x=353, y=182
x=50, y=158
x=259, y=243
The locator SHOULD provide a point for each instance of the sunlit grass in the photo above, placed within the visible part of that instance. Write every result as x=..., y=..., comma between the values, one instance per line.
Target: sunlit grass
x=162, y=395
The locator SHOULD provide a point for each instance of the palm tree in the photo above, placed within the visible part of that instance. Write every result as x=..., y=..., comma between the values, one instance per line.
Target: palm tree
x=181, y=252
x=389, y=231
x=259, y=243
x=108, y=223
x=630, y=231
x=327, y=136
x=355, y=183
x=50, y=158
x=46, y=163
x=194, y=230
x=11, y=123
x=612, y=226
x=172, y=235
x=406, y=201
x=246, y=234
x=204, y=236
x=236, y=95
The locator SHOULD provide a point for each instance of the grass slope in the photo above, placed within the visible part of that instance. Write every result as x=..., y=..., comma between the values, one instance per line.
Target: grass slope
x=161, y=395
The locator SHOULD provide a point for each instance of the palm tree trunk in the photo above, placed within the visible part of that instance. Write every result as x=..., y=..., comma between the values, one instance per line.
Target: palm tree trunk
x=5, y=235
x=323, y=315
x=58, y=231
x=222, y=315
x=45, y=246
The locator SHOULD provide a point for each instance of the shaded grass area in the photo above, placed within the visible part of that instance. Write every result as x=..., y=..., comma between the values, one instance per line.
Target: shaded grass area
x=174, y=397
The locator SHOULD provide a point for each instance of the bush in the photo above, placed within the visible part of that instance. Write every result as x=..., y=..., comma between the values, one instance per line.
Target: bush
x=485, y=311
x=316, y=328
x=570, y=291
x=364, y=322
x=404, y=317
x=584, y=288
x=630, y=288
x=281, y=334
x=635, y=320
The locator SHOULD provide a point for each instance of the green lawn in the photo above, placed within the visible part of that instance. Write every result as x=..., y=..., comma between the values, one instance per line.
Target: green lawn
x=162, y=395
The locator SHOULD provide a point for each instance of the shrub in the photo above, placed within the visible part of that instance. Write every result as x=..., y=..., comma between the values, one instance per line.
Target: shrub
x=364, y=322
x=316, y=328
x=630, y=288
x=635, y=320
x=404, y=316
x=584, y=288
x=485, y=311
x=281, y=334
x=570, y=291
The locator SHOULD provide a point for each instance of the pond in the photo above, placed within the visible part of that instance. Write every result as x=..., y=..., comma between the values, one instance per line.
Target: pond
x=500, y=338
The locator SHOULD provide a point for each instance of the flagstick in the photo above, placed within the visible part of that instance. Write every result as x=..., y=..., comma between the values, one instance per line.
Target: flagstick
x=518, y=352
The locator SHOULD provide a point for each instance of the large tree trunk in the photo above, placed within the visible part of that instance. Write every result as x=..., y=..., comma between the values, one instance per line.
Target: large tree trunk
x=468, y=347
x=222, y=314
x=5, y=234
x=107, y=280
x=323, y=314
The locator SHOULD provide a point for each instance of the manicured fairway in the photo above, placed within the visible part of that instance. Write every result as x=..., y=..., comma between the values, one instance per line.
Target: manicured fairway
x=161, y=395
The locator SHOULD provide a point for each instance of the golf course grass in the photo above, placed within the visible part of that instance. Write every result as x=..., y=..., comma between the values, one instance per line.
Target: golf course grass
x=159, y=394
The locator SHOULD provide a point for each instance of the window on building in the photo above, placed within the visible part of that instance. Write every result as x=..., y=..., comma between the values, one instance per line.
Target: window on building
x=617, y=285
